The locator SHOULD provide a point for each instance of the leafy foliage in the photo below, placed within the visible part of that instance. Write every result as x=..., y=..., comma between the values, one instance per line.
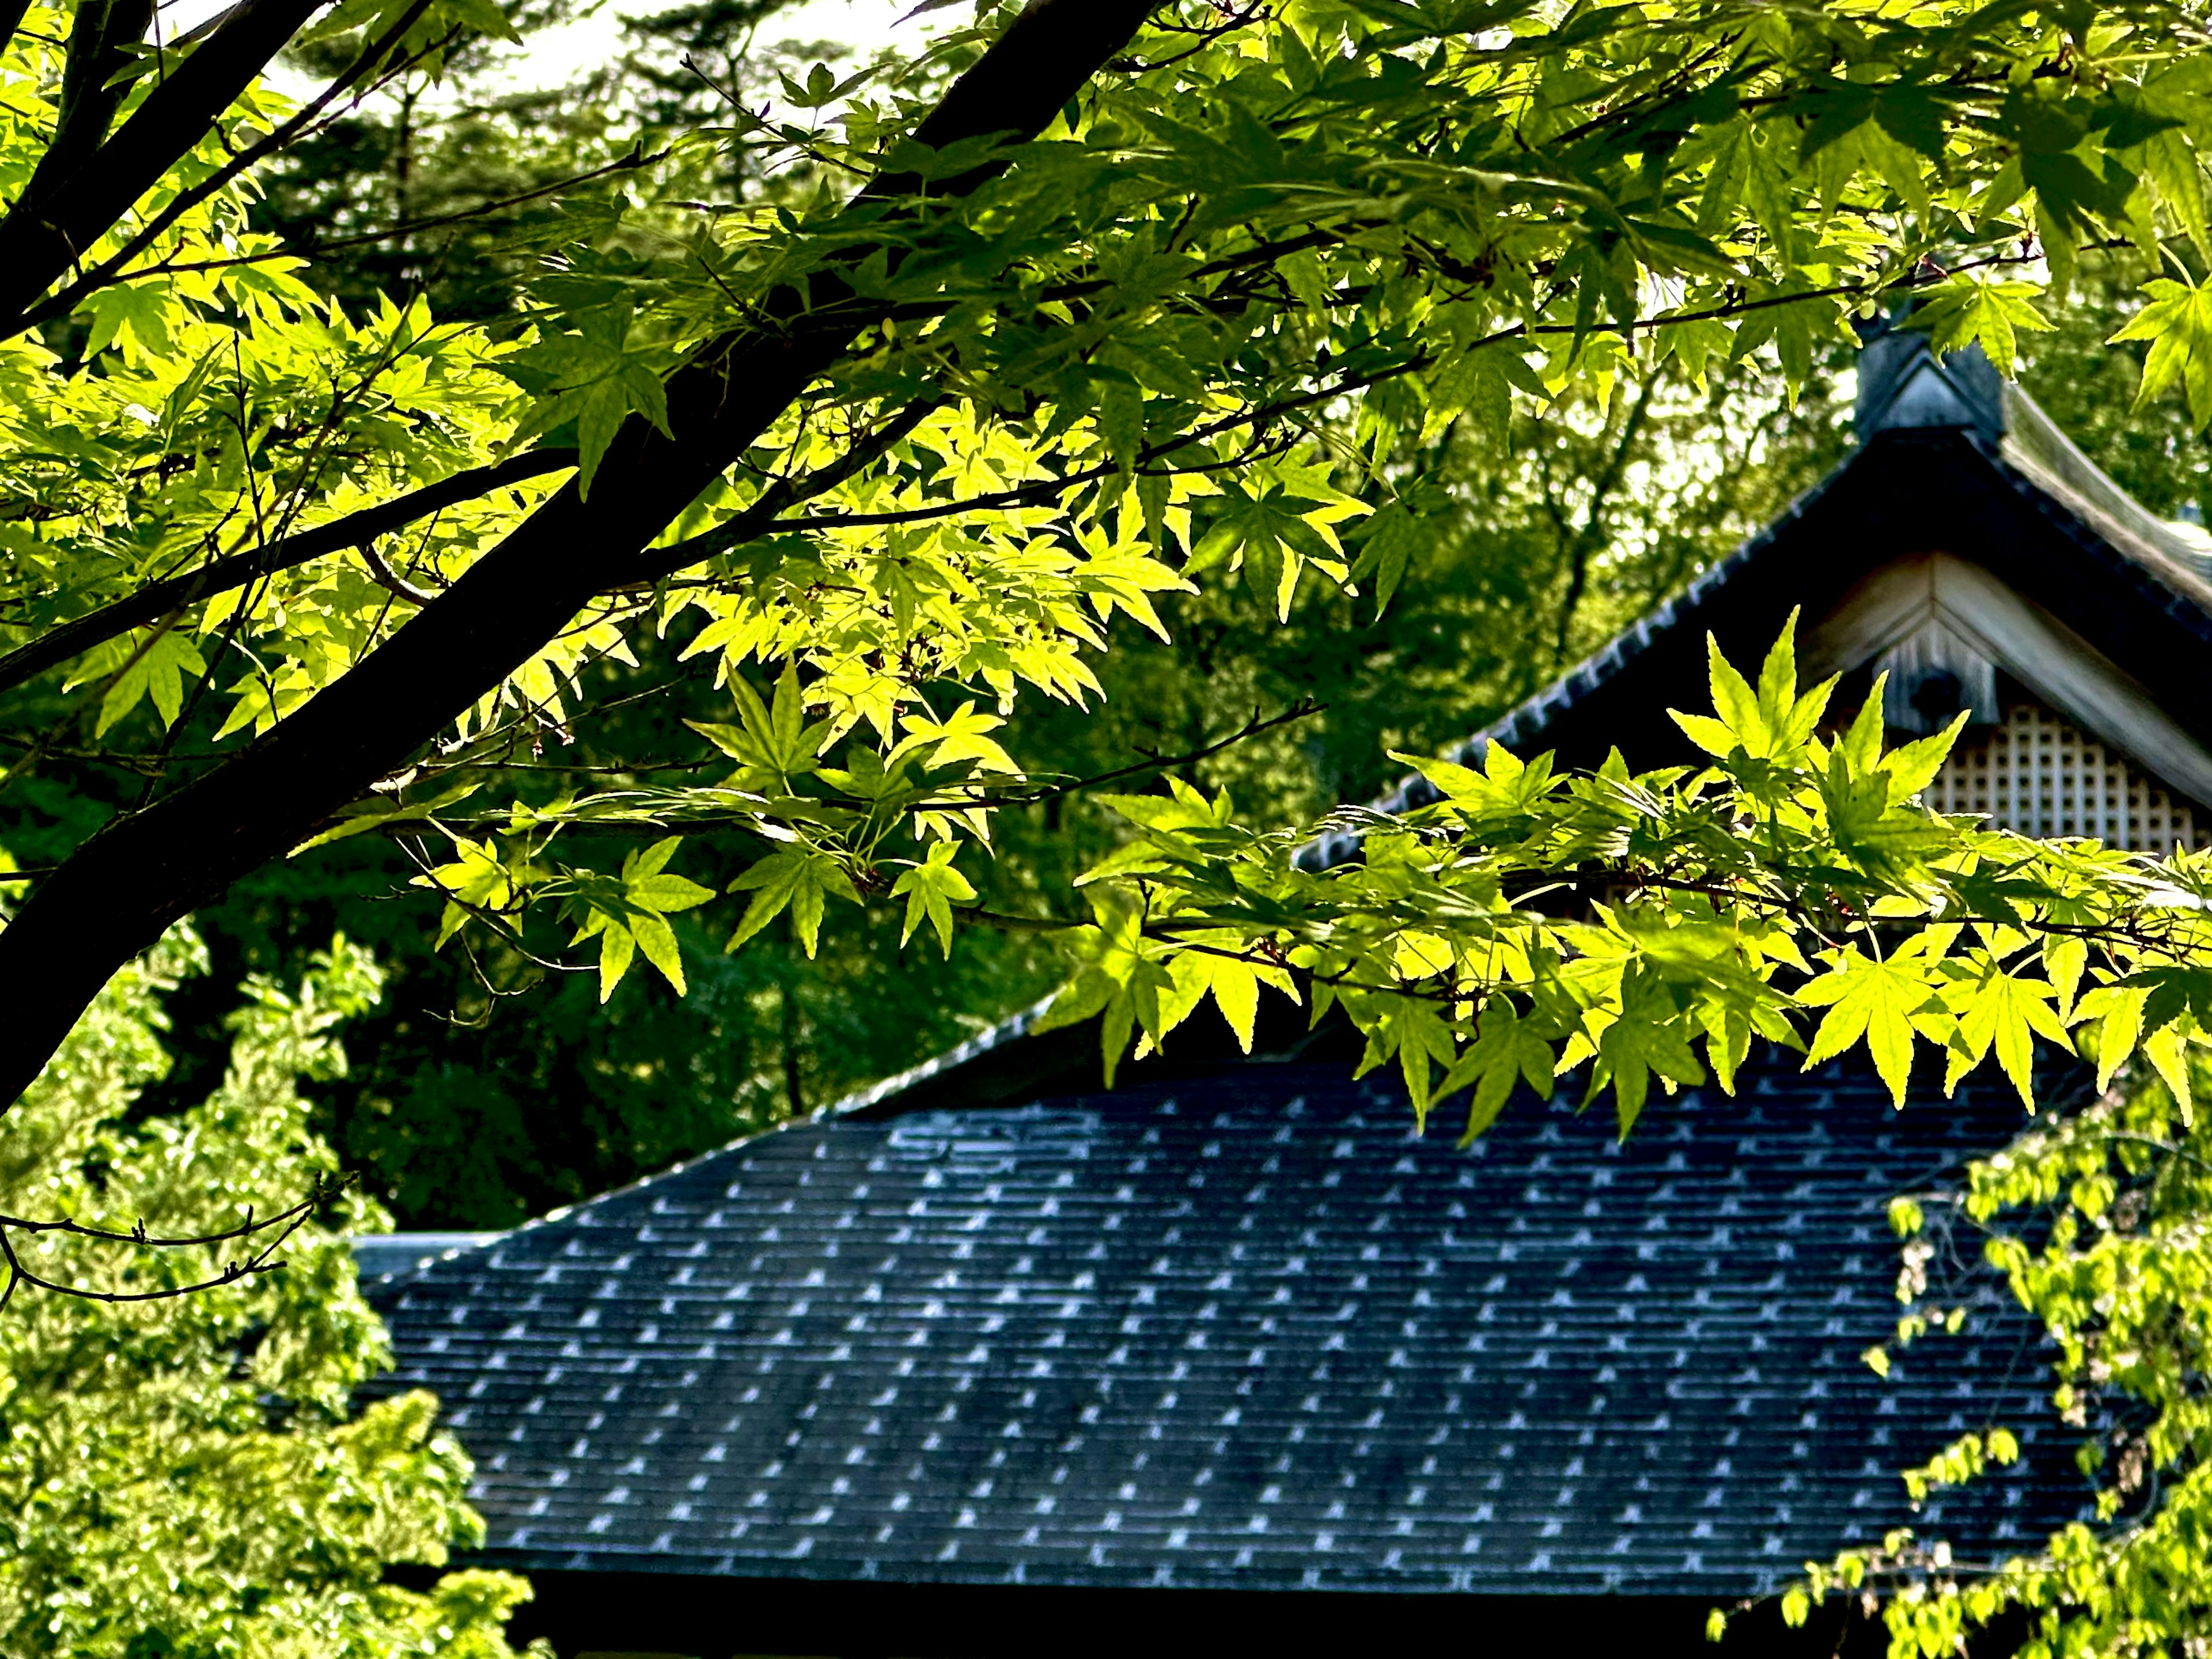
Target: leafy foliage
x=2096, y=1223
x=186, y=1477
x=1073, y=382
x=528, y=1102
x=1652, y=925
x=1160, y=345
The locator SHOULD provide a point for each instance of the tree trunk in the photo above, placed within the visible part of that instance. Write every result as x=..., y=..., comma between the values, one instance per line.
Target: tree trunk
x=118, y=892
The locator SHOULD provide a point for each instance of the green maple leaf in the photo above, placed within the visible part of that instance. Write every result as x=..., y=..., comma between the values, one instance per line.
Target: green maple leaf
x=1771, y=723
x=931, y=888
x=1413, y=1030
x=1882, y=1002
x=1272, y=533
x=1650, y=1038
x=1235, y=986
x=2167, y=1050
x=593, y=376
x=1174, y=828
x=1996, y=1009
x=1505, y=787
x=156, y=672
x=2117, y=1011
x=801, y=879
x=959, y=737
x=772, y=745
x=1232, y=980
x=2178, y=323
x=1981, y=311
x=1393, y=537
x=131, y=313
x=627, y=914
x=477, y=879
x=1867, y=793
x=1912, y=115
x=1509, y=1050
x=1121, y=977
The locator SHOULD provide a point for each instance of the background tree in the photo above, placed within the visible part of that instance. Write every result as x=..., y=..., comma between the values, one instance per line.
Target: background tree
x=2096, y=1223
x=189, y=1477
x=446, y=181
x=1037, y=387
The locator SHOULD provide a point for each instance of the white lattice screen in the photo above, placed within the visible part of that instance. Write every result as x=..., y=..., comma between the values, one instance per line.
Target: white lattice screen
x=2039, y=774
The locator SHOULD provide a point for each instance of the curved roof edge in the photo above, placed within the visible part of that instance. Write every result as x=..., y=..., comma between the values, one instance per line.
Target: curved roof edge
x=2036, y=447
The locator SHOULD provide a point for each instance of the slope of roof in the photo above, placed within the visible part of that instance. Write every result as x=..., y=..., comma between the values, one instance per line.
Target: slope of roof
x=1248, y=1331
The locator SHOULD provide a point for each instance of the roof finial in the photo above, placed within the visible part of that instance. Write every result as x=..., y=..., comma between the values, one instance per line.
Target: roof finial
x=1904, y=387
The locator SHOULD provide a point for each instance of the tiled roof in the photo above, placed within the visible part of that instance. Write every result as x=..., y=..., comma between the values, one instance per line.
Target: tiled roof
x=1246, y=1331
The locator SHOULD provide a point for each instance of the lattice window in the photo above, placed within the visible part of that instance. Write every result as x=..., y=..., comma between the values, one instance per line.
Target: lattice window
x=2039, y=774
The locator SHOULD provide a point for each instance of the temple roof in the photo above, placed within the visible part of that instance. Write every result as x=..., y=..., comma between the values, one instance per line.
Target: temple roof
x=1950, y=457
x=1247, y=1330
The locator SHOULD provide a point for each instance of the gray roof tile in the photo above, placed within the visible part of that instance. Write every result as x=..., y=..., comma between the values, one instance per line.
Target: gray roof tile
x=1245, y=1330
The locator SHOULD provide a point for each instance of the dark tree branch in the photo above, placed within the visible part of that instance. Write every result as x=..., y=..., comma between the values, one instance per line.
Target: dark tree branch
x=272, y=1232
x=1303, y=708
x=120, y=889
x=661, y=562
x=108, y=273
x=111, y=271
x=62, y=304
x=101, y=36
x=390, y=580
x=957, y=796
x=158, y=599
x=11, y=19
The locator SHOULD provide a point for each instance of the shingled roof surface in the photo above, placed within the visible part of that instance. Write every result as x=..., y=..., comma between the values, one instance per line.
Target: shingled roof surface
x=1248, y=1331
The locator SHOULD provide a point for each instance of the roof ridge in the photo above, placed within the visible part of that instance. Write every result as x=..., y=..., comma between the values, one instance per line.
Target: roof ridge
x=1571, y=684
x=2037, y=447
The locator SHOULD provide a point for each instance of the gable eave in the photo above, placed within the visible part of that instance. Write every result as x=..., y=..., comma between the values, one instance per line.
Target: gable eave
x=2123, y=584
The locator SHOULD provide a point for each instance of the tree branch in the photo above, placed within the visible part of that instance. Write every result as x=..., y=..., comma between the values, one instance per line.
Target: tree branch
x=158, y=599
x=110, y=271
x=664, y=562
x=94, y=83
x=42, y=236
x=101, y=275
x=11, y=19
x=263, y=1259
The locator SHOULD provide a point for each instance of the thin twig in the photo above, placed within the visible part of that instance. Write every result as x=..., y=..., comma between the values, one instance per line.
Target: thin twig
x=282, y=1226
